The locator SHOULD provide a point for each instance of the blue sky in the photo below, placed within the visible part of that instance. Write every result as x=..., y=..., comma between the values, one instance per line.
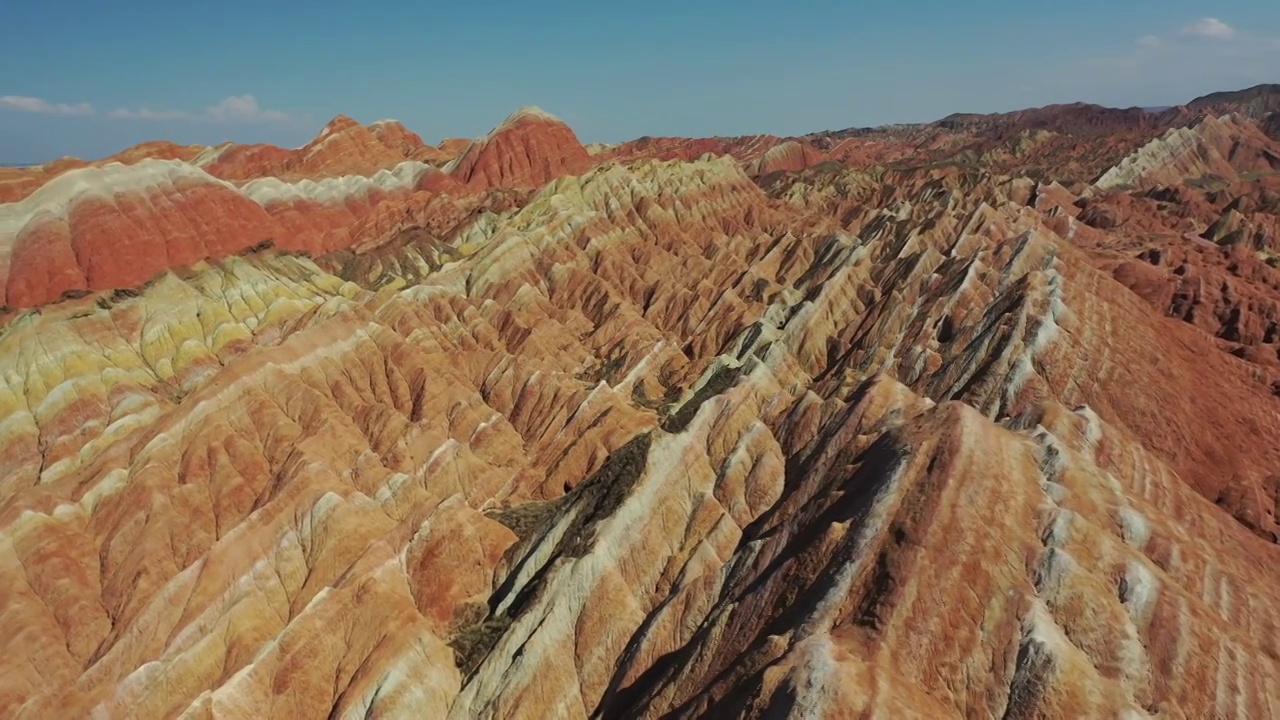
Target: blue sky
x=87, y=77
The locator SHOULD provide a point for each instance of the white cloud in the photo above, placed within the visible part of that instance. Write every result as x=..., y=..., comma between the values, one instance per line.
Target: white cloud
x=243, y=108
x=37, y=105
x=148, y=114
x=1209, y=29
x=235, y=109
x=1174, y=64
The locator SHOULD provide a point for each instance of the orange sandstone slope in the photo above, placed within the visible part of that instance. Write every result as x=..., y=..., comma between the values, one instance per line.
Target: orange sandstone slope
x=643, y=439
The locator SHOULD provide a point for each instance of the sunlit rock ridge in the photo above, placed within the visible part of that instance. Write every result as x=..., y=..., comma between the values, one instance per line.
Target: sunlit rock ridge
x=968, y=420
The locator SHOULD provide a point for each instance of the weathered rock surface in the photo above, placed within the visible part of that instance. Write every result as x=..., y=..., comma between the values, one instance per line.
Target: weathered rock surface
x=1271, y=125
x=117, y=226
x=528, y=149
x=554, y=434
x=1217, y=148
x=344, y=147
x=790, y=156
x=1255, y=102
x=744, y=148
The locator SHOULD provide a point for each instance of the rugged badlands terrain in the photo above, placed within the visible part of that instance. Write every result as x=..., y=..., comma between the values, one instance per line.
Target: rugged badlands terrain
x=974, y=419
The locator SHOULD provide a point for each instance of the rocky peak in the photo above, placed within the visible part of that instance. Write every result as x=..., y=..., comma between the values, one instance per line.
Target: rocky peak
x=528, y=149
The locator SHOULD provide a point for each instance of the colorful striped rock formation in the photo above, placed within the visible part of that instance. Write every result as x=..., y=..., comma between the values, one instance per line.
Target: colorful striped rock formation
x=551, y=432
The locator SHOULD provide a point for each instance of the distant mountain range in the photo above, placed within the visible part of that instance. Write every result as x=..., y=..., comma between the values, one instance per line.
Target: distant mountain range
x=1255, y=102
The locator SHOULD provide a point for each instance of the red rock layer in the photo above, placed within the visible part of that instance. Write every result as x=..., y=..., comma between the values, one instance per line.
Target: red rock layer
x=18, y=183
x=745, y=148
x=154, y=150
x=240, y=163
x=868, y=152
x=453, y=147
x=790, y=156
x=323, y=216
x=1073, y=119
x=117, y=226
x=1208, y=255
x=343, y=147
x=1068, y=143
x=527, y=150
